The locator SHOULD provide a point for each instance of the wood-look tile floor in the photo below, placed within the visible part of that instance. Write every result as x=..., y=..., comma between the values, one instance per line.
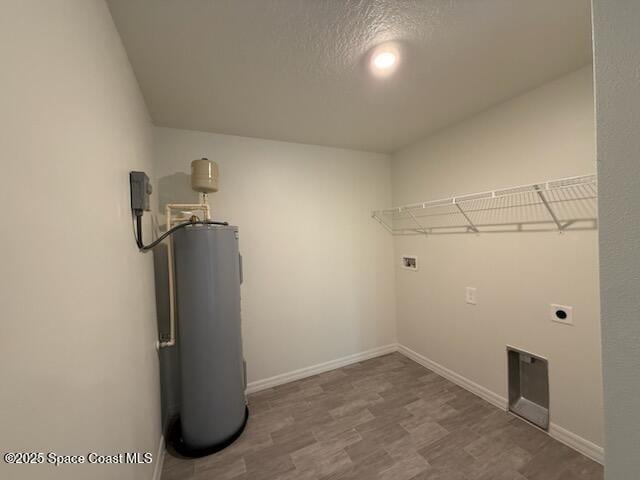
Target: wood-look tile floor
x=387, y=418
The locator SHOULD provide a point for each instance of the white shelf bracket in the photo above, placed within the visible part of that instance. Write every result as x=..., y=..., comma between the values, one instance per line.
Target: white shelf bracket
x=464, y=214
x=420, y=226
x=549, y=209
x=382, y=222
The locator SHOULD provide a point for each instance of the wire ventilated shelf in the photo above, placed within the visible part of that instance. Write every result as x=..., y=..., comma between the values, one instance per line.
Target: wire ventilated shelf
x=564, y=204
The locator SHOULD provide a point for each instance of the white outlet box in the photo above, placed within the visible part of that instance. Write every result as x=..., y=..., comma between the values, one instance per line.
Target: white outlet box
x=409, y=262
x=561, y=314
x=471, y=296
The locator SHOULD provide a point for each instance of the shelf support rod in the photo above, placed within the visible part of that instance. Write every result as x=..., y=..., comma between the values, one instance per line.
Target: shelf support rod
x=383, y=223
x=548, y=207
x=464, y=214
x=424, y=230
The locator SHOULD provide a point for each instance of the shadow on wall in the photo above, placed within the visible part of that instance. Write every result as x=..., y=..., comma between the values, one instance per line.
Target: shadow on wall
x=176, y=188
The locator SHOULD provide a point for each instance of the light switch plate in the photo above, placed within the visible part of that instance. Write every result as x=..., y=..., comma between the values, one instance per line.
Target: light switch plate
x=561, y=314
x=471, y=296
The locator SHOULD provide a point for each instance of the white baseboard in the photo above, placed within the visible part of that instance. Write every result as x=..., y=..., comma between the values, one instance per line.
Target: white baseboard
x=283, y=378
x=579, y=444
x=570, y=439
x=159, y=460
x=484, y=393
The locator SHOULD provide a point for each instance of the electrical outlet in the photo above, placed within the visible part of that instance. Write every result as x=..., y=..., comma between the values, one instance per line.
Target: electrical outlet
x=471, y=296
x=561, y=314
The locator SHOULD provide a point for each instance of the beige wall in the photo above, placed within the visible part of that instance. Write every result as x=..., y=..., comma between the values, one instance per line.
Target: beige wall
x=77, y=330
x=545, y=134
x=318, y=274
x=617, y=56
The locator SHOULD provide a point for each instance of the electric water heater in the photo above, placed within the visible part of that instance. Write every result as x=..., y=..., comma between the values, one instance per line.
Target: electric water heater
x=208, y=273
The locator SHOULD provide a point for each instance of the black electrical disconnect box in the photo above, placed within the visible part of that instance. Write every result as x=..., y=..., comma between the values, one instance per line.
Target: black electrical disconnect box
x=140, y=192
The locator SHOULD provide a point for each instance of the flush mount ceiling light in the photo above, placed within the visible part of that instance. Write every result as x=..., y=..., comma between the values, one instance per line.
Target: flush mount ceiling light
x=384, y=60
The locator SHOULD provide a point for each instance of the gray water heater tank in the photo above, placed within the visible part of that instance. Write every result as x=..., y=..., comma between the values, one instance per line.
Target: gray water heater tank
x=208, y=274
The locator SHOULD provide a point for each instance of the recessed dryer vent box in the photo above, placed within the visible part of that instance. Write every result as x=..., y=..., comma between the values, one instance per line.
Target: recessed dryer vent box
x=529, y=387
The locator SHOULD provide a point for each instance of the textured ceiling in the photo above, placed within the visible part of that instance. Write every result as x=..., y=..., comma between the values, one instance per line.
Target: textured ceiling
x=296, y=70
